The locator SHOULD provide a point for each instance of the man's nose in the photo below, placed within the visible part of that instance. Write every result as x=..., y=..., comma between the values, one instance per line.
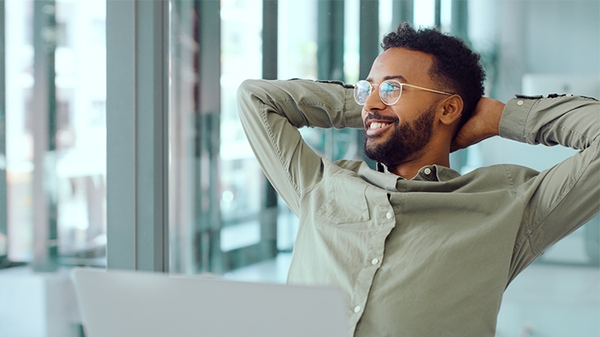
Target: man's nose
x=373, y=101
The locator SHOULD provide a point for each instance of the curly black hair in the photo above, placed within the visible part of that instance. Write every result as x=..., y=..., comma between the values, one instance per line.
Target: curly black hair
x=455, y=65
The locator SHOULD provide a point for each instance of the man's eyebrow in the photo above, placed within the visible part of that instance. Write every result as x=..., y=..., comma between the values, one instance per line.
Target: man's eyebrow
x=396, y=77
x=400, y=78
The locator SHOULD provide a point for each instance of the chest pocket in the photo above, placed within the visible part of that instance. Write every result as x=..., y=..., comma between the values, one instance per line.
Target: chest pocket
x=342, y=198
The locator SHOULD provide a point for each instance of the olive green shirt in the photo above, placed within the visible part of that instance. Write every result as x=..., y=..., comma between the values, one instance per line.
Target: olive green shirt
x=430, y=256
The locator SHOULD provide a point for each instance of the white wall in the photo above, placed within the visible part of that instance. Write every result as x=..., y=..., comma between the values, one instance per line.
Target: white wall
x=538, y=36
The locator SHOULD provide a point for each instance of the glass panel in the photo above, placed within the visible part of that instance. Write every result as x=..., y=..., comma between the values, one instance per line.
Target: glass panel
x=241, y=181
x=352, y=41
x=19, y=137
x=80, y=165
x=3, y=200
x=297, y=48
x=446, y=15
x=386, y=16
x=201, y=241
x=424, y=11
x=81, y=127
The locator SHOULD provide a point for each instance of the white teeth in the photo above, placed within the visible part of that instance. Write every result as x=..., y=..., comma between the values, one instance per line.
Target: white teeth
x=377, y=125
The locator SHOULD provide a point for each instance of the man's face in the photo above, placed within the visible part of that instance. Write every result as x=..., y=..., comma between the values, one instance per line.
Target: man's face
x=395, y=134
x=404, y=141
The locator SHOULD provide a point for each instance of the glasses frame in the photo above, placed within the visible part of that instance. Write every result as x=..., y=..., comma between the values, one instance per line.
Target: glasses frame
x=396, y=82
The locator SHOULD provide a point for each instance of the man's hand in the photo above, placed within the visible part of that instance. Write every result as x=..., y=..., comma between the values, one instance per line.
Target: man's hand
x=482, y=124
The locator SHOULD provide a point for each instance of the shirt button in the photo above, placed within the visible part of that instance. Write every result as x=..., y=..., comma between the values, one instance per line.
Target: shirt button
x=375, y=261
x=357, y=309
x=519, y=102
x=388, y=215
x=427, y=171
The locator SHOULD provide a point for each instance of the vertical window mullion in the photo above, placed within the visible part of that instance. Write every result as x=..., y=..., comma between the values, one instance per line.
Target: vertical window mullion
x=269, y=55
x=44, y=127
x=136, y=128
x=207, y=195
x=403, y=11
x=3, y=160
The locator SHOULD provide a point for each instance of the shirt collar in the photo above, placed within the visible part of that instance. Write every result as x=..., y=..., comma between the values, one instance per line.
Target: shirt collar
x=431, y=173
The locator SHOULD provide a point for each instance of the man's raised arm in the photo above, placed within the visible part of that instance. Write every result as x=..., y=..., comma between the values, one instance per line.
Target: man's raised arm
x=271, y=113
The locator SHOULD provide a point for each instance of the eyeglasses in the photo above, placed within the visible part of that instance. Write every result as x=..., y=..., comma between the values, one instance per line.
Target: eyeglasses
x=389, y=91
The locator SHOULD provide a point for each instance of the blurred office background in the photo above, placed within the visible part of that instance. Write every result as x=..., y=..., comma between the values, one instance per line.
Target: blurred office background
x=120, y=144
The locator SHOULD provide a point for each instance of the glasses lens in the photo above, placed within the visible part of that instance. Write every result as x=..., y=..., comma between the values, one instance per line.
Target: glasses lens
x=390, y=92
x=362, y=90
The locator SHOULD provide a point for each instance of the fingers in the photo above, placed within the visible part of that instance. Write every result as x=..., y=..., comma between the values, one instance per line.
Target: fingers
x=464, y=140
x=483, y=124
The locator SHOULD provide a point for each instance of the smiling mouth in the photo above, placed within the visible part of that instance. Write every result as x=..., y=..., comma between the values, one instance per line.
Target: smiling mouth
x=376, y=129
x=378, y=125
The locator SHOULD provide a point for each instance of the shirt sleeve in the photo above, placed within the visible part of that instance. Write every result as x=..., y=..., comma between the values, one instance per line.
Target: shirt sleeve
x=271, y=113
x=567, y=195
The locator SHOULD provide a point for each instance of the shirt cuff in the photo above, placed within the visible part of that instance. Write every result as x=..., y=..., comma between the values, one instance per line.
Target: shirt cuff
x=513, y=123
x=352, y=110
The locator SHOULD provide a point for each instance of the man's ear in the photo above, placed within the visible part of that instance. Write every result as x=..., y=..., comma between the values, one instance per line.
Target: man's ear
x=452, y=109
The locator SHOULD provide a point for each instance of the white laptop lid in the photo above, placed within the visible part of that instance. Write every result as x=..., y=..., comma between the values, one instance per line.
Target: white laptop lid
x=126, y=303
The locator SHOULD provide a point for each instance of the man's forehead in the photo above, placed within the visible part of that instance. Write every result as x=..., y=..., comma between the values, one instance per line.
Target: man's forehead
x=401, y=64
x=398, y=78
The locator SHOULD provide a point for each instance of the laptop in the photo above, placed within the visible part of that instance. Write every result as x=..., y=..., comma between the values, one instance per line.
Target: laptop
x=133, y=303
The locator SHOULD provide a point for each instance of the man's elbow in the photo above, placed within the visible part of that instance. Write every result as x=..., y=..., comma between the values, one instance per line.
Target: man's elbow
x=246, y=93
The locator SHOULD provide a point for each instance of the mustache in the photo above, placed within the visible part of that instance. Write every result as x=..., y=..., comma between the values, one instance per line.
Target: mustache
x=378, y=117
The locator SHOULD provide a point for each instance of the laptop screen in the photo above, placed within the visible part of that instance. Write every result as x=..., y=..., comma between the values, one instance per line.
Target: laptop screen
x=129, y=303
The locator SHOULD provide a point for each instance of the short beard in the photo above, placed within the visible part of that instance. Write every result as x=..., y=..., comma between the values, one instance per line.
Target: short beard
x=404, y=143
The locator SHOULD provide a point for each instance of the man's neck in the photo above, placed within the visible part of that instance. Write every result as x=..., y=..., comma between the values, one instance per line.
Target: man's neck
x=410, y=169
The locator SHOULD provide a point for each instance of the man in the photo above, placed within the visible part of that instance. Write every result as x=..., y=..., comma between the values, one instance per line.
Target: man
x=418, y=249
